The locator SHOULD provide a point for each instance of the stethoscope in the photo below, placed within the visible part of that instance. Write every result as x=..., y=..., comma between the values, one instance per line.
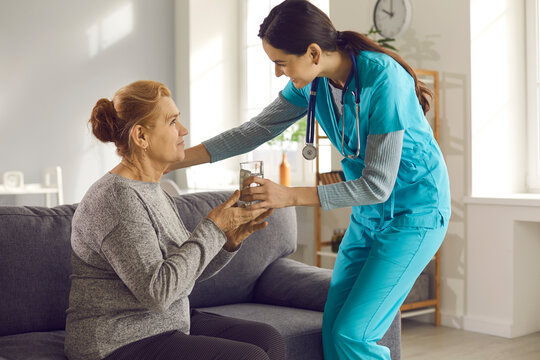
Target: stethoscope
x=310, y=151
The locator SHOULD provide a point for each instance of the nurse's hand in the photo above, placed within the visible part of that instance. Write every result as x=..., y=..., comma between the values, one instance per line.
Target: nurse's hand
x=270, y=194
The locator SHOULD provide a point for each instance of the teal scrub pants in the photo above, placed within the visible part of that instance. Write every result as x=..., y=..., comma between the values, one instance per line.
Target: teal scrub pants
x=372, y=276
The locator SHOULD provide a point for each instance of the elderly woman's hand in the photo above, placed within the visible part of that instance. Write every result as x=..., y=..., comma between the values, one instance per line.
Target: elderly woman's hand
x=237, y=236
x=229, y=217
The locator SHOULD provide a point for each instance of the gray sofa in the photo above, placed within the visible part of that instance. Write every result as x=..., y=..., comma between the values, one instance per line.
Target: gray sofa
x=259, y=284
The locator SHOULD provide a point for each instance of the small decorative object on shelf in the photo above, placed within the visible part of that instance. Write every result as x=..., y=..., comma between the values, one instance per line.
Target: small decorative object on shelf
x=336, y=239
x=293, y=135
x=284, y=171
x=13, y=180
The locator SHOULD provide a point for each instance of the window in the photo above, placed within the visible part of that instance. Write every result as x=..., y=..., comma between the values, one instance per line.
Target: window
x=533, y=94
x=261, y=87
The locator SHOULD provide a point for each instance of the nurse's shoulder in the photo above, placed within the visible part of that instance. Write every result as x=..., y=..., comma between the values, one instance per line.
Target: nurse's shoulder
x=376, y=66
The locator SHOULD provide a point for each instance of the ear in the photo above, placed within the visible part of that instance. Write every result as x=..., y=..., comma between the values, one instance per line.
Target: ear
x=139, y=136
x=314, y=52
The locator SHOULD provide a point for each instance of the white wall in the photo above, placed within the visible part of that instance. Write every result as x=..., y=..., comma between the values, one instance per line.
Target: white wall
x=57, y=59
x=212, y=81
x=498, y=90
x=438, y=39
x=503, y=228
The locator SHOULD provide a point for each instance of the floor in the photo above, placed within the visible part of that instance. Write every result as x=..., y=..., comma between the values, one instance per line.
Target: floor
x=421, y=341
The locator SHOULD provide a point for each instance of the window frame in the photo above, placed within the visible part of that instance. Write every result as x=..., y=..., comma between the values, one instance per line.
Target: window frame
x=532, y=25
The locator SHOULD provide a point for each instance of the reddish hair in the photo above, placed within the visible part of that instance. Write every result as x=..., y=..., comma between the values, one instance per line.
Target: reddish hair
x=134, y=104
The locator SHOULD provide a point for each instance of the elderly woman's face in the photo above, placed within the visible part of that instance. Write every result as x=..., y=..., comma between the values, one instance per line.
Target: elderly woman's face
x=166, y=137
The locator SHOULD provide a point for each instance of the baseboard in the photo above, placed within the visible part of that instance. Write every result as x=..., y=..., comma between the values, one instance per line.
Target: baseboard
x=452, y=320
x=487, y=326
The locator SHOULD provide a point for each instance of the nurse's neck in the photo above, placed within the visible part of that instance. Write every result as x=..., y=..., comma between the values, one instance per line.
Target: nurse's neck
x=336, y=66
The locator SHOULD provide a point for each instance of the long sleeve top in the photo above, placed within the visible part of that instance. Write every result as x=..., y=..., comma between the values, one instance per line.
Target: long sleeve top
x=383, y=153
x=134, y=265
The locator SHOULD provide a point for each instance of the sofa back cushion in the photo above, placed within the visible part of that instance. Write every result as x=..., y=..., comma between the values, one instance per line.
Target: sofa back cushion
x=34, y=268
x=235, y=282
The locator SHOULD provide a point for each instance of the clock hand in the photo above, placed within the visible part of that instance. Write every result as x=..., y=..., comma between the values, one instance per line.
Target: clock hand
x=392, y=7
x=388, y=12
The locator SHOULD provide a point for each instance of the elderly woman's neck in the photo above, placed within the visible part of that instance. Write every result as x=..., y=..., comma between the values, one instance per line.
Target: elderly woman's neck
x=139, y=169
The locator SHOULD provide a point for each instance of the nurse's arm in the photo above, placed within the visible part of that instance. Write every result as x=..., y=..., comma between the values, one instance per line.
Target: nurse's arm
x=195, y=155
x=271, y=122
x=383, y=156
x=275, y=196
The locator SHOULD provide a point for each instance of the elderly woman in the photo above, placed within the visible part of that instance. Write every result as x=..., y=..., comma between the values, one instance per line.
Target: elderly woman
x=134, y=262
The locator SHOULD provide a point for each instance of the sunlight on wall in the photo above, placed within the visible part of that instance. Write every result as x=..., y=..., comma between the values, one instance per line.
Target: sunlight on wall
x=207, y=70
x=207, y=109
x=497, y=89
x=111, y=29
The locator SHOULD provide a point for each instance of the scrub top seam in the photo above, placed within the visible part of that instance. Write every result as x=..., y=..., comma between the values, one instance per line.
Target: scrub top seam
x=427, y=168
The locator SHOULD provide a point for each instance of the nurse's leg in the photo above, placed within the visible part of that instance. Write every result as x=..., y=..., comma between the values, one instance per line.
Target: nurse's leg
x=396, y=259
x=350, y=259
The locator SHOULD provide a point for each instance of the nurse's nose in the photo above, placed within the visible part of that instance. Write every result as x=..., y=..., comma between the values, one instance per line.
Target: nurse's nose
x=279, y=72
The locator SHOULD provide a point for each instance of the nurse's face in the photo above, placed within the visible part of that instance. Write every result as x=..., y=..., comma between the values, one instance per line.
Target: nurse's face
x=301, y=69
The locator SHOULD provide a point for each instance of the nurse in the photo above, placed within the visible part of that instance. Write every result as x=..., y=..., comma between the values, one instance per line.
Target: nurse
x=371, y=106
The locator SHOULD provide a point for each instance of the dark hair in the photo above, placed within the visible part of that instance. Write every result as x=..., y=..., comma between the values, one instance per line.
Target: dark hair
x=295, y=24
x=133, y=104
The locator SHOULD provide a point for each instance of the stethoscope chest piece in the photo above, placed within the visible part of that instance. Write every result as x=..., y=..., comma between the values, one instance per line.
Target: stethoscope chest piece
x=309, y=152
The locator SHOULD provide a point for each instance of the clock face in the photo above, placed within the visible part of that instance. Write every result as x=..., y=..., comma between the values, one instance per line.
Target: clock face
x=392, y=17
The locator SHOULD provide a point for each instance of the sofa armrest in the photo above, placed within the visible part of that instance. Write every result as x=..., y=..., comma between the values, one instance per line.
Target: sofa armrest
x=290, y=283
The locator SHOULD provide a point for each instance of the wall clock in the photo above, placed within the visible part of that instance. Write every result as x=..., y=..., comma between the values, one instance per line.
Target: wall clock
x=392, y=17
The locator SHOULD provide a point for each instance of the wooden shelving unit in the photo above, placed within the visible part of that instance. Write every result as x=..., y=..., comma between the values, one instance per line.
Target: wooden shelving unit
x=431, y=305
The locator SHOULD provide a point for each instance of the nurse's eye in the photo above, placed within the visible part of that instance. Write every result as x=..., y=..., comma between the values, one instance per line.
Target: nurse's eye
x=173, y=121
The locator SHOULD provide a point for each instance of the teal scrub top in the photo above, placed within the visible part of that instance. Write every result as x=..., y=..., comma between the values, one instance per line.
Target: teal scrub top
x=388, y=103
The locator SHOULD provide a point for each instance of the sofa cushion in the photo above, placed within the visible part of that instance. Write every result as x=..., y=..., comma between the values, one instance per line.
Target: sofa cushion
x=33, y=346
x=300, y=328
x=235, y=282
x=34, y=268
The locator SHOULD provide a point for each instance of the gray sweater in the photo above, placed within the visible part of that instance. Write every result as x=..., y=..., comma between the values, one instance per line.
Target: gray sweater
x=134, y=265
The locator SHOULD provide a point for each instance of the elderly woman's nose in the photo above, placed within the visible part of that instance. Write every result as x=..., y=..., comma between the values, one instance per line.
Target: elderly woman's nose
x=182, y=131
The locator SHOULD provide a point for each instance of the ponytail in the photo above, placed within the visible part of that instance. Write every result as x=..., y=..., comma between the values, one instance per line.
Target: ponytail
x=351, y=41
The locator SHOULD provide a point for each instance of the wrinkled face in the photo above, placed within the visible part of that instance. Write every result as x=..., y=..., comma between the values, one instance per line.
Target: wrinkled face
x=166, y=136
x=301, y=69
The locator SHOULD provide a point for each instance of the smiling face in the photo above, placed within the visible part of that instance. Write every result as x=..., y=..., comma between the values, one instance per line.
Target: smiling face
x=301, y=69
x=166, y=135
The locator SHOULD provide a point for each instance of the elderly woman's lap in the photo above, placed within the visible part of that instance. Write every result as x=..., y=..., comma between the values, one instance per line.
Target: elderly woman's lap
x=213, y=337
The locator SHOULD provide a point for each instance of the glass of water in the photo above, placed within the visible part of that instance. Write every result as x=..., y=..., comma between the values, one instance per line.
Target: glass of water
x=247, y=169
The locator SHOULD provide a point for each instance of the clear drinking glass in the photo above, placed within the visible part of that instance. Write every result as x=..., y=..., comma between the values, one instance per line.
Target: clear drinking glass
x=247, y=169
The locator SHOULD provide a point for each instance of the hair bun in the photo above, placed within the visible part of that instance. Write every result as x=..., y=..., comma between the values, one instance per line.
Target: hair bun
x=104, y=121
